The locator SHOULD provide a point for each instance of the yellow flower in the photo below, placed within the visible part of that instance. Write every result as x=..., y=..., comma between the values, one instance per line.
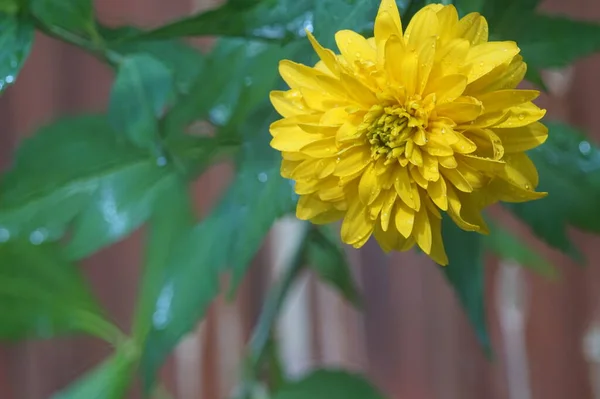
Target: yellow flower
x=405, y=125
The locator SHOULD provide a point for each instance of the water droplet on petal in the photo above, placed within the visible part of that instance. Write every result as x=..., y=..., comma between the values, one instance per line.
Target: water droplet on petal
x=521, y=117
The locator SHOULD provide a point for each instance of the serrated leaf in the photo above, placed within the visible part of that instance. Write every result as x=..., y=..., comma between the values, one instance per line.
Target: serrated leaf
x=138, y=98
x=109, y=380
x=325, y=255
x=266, y=20
x=73, y=15
x=42, y=295
x=83, y=172
x=465, y=272
x=329, y=384
x=506, y=245
x=569, y=169
x=16, y=38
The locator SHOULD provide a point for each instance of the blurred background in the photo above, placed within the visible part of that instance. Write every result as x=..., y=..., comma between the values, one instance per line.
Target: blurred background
x=411, y=339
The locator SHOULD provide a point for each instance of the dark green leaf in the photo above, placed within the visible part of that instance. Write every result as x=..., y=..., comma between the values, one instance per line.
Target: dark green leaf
x=76, y=16
x=80, y=170
x=138, y=98
x=16, y=38
x=109, y=380
x=267, y=20
x=327, y=258
x=465, y=7
x=329, y=384
x=171, y=220
x=465, y=272
x=9, y=6
x=185, y=62
x=43, y=295
x=230, y=236
x=334, y=15
x=506, y=245
x=533, y=76
x=569, y=168
x=547, y=41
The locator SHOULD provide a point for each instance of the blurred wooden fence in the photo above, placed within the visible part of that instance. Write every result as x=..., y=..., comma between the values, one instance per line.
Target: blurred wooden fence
x=412, y=339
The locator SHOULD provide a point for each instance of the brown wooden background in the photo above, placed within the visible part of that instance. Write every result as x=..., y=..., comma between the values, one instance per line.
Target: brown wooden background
x=412, y=338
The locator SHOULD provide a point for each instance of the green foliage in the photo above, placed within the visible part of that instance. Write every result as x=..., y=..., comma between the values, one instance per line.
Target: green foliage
x=16, y=38
x=329, y=384
x=43, y=295
x=83, y=183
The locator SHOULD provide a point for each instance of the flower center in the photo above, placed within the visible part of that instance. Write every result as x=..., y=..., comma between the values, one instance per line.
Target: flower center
x=389, y=128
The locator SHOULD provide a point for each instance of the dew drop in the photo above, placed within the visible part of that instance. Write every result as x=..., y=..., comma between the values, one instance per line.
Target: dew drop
x=521, y=117
x=585, y=148
x=527, y=187
x=262, y=177
x=38, y=236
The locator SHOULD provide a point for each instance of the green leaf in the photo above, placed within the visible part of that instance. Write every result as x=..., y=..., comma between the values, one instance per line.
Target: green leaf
x=465, y=272
x=327, y=258
x=138, y=98
x=76, y=16
x=267, y=20
x=172, y=219
x=109, y=380
x=16, y=38
x=42, y=295
x=230, y=236
x=329, y=384
x=83, y=172
x=465, y=7
x=569, y=169
x=334, y=15
x=506, y=245
x=547, y=41
x=184, y=61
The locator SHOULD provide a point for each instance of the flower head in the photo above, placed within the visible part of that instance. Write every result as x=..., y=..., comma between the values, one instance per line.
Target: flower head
x=403, y=126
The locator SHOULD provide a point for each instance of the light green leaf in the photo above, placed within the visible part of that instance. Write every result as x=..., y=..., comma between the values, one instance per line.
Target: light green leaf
x=109, y=380
x=42, y=295
x=280, y=20
x=138, y=98
x=569, y=169
x=82, y=171
x=325, y=255
x=76, y=16
x=172, y=219
x=16, y=38
x=329, y=384
x=185, y=62
x=465, y=272
x=506, y=245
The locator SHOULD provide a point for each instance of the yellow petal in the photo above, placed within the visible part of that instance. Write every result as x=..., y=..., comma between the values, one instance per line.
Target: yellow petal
x=335, y=117
x=448, y=162
x=359, y=92
x=354, y=47
x=404, y=219
x=322, y=148
x=298, y=75
x=438, y=193
x=295, y=141
x=503, y=99
x=403, y=187
x=394, y=58
x=523, y=138
x=474, y=28
x=450, y=58
x=505, y=76
x=455, y=211
x=426, y=58
x=457, y=179
x=521, y=171
x=286, y=105
x=353, y=161
x=325, y=167
x=387, y=22
x=522, y=115
x=421, y=27
x=464, y=109
x=368, y=187
x=416, y=158
x=483, y=164
x=438, y=253
x=305, y=170
x=487, y=56
x=447, y=88
x=418, y=178
x=430, y=168
x=328, y=217
x=310, y=206
x=386, y=211
x=357, y=224
x=318, y=100
x=447, y=19
x=327, y=56
x=488, y=143
x=392, y=240
x=422, y=230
